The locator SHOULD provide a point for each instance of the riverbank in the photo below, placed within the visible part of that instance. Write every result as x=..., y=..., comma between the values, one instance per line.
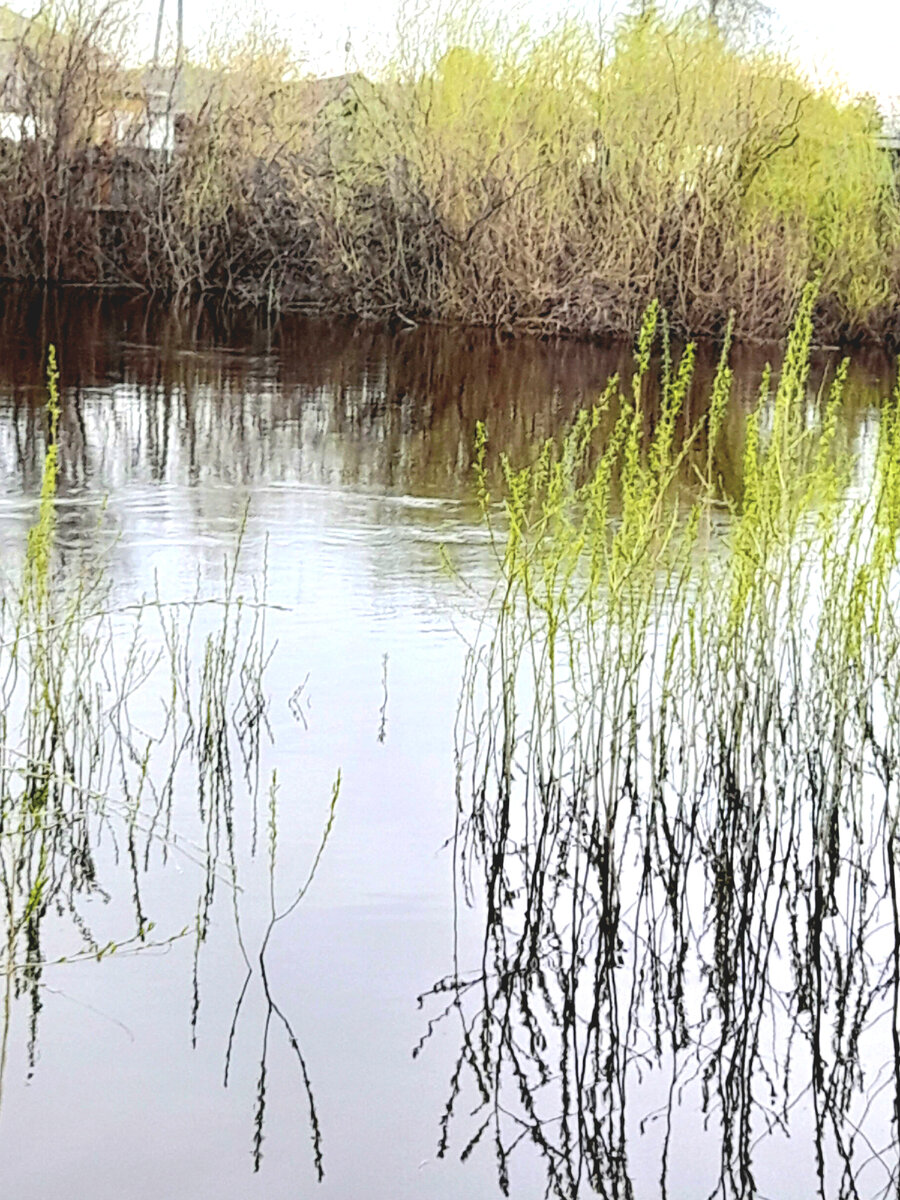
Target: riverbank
x=550, y=183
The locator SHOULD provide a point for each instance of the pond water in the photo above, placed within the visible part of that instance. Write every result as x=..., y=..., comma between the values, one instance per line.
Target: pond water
x=338, y=459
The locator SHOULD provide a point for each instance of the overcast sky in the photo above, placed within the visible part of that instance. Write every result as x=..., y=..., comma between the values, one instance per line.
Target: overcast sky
x=858, y=42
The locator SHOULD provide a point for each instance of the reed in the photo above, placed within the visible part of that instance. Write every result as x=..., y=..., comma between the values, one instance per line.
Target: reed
x=131, y=734
x=677, y=796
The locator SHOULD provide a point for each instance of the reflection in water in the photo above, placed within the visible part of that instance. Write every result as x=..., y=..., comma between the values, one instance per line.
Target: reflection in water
x=677, y=774
x=632, y=977
x=154, y=396
x=107, y=729
x=605, y=1027
x=272, y=1009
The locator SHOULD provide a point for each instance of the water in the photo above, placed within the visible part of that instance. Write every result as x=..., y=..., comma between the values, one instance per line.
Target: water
x=352, y=448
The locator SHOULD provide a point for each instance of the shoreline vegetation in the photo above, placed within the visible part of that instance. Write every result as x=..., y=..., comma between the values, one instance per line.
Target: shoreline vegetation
x=134, y=730
x=553, y=182
x=677, y=765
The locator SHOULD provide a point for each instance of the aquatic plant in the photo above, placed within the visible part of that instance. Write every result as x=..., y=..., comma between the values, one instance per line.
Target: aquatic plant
x=677, y=794
x=131, y=733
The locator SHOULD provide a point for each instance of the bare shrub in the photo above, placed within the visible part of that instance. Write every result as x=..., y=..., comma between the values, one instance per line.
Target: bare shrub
x=487, y=174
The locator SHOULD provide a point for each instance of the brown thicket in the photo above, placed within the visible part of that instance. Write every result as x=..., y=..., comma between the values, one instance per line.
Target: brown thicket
x=484, y=175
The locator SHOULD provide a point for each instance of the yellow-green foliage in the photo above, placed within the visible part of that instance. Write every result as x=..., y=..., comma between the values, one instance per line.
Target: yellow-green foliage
x=598, y=549
x=833, y=187
x=41, y=534
x=641, y=676
x=768, y=167
x=569, y=180
x=474, y=128
x=487, y=172
x=682, y=752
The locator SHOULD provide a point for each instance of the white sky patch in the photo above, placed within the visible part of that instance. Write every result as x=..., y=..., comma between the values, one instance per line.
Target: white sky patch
x=835, y=42
x=854, y=43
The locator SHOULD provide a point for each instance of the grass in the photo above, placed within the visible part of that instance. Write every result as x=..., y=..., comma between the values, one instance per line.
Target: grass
x=677, y=799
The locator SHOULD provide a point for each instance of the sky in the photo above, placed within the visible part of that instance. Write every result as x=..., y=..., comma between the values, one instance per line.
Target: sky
x=856, y=43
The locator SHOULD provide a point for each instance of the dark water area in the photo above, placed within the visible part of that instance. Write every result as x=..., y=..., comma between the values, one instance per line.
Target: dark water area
x=338, y=457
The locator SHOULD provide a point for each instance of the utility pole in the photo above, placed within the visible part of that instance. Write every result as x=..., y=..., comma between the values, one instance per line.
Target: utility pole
x=179, y=32
x=159, y=21
x=157, y=91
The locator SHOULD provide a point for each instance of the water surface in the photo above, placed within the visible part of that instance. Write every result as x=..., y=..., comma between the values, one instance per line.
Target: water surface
x=347, y=450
